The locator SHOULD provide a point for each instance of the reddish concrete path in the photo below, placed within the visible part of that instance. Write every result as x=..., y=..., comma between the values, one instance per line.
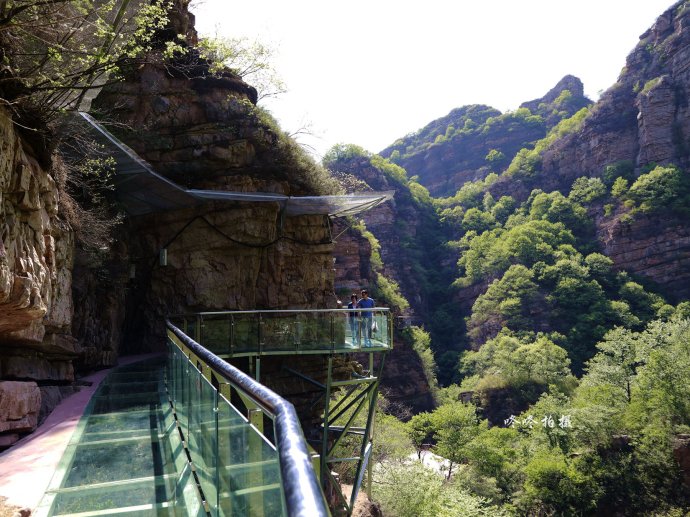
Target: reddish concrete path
x=28, y=466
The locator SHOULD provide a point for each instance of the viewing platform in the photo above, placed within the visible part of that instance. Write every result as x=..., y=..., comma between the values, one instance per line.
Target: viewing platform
x=290, y=332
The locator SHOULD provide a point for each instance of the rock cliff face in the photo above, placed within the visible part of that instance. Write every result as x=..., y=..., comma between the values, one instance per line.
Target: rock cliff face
x=36, y=255
x=643, y=119
x=652, y=246
x=204, y=133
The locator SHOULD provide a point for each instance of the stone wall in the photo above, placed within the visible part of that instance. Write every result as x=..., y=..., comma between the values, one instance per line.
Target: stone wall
x=36, y=256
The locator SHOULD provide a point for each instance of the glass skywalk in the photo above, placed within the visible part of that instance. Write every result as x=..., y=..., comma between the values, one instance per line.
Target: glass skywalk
x=125, y=457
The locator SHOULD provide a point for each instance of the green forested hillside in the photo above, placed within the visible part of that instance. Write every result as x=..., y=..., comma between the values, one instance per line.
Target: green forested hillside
x=472, y=141
x=561, y=339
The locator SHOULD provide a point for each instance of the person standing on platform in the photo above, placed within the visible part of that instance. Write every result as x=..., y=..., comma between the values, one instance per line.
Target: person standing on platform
x=367, y=316
x=353, y=318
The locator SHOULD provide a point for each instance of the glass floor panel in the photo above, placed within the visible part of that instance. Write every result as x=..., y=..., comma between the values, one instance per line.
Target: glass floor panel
x=121, y=458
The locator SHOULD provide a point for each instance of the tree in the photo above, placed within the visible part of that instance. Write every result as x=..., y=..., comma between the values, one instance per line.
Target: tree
x=615, y=363
x=455, y=424
x=586, y=190
x=555, y=486
x=495, y=157
x=542, y=361
x=249, y=59
x=420, y=429
x=496, y=453
x=477, y=220
x=504, y=304
x=54, y=51
x=661, y=188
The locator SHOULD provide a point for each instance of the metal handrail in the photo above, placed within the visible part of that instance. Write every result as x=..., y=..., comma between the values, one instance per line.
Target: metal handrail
x=284, y=311
x=303, y=496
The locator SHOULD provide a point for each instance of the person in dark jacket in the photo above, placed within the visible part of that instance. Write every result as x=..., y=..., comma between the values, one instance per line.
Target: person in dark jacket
x=367, y=316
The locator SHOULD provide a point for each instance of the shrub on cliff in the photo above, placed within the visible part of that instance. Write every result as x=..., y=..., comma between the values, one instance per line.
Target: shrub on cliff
x=55, y=51
x=662, y=188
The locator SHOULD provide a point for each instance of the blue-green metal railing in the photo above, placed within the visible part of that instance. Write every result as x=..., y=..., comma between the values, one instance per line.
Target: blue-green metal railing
x=288, y=332
x=245, y=441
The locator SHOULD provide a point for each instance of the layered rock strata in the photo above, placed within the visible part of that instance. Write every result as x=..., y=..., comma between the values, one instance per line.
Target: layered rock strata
x=36, y=256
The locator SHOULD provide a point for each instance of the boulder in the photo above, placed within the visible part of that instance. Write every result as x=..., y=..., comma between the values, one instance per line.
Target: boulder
x=20, y=403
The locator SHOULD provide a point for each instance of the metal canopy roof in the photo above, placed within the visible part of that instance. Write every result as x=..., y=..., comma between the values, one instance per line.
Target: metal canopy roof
x=141, y=190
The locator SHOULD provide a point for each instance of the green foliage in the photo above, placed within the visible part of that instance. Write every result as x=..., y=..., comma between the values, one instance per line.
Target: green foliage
x=419, y=193
x=495, y=453
x=586, y=190
x=495, y=157
x=661, y=393
x=416, y=491
x=455, y=425
x=555, y=486
x=619, y=187
x=304, y=172
x=504, y=304
x=460, y=122
x=620, y=169
x=388, y=168
x=556, y=208
x=389, y=290
x=420, y=429
x=385, y=290
x=649, y=85
x=477, y=220
x=527, y=162
x=563, y=98
x=493, y=251
x=343, y=152
x=508, y=361
x=59, y=50
x=420, y=341
x=615, y=364
x=663, y=188
x=503, y=208
x=251, y=60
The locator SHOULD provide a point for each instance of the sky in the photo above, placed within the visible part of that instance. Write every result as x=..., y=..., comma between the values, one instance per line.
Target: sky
x=367, y=72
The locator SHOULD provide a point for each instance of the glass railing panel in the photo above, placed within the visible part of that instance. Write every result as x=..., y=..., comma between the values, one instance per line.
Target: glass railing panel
x=248, y=468
x=203, y=436
x=245, y=333
x=187, y=501
x=280, y=332
x=380, y=335
x=266, y=332
x=215, y=333
x=181, y=382
x=237, y=467
x=314, y=331
x=264, y=500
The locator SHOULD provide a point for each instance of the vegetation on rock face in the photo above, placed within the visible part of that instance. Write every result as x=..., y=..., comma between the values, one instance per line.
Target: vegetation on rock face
x=54, y=51
x=577, y=369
